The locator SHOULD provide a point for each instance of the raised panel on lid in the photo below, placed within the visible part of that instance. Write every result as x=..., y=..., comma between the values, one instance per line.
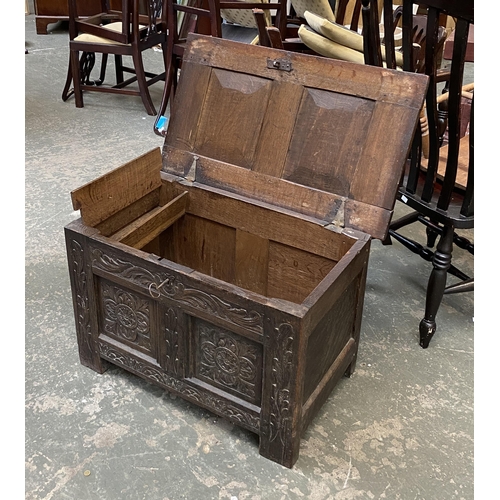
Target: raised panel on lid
x=277, y=129
x=232, y=116
x=328, y=140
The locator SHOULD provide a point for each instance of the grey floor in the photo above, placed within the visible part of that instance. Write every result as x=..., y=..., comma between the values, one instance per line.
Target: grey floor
x=401, y=428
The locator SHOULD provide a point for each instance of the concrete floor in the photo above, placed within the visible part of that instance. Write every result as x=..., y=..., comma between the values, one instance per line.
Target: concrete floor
x=400, y=428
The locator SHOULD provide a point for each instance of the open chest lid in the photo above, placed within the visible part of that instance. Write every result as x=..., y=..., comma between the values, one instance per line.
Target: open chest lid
x=325, y=138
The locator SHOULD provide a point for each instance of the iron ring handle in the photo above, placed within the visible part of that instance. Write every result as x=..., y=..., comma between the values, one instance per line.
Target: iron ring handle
x=156, y=288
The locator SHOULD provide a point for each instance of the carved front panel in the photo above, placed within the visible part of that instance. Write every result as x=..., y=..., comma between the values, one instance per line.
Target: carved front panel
x=127, y=317
x=159, y=283
x=228, y=361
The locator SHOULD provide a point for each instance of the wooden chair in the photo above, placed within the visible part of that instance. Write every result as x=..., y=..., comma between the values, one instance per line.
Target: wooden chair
x=285, y=39
x=431, y=186
x=347, y=13
x=203, y=17
x=137, y=27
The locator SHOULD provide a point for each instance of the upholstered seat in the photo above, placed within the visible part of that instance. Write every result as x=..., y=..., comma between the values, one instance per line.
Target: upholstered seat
x=117, y=27
x=319, y=7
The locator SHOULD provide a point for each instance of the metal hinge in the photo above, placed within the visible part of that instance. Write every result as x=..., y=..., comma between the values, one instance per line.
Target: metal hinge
x=279, y=64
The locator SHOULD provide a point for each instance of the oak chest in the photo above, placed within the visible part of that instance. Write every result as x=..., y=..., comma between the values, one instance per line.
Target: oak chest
x=230, y=267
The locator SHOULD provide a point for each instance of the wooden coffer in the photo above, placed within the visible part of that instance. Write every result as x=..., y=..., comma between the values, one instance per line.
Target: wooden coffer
x=230, y=268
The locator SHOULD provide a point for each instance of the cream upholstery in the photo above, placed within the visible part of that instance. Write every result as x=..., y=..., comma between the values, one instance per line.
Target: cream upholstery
x=335, y=32
x=319, y=7
x=117, y=27
x=327, y=48
x=340, y=38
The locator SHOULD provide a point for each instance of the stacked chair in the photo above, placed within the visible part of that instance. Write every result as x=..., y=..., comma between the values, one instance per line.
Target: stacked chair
x=139, y=26
x=438, y=184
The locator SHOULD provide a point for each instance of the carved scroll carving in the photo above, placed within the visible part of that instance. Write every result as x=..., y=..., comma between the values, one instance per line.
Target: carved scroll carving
x=81, y=295
x=173, y=288
x=281, y=377
x=216, y=404
x=173, y=331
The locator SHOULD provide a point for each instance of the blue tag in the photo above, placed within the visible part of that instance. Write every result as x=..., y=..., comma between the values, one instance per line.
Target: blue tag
x=162, y=123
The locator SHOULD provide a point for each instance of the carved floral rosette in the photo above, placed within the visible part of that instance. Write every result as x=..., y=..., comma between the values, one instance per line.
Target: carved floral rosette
x=126, y=315
x=229, y=361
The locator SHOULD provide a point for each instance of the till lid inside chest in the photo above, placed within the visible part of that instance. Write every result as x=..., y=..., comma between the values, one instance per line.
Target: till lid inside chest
x=322, y=137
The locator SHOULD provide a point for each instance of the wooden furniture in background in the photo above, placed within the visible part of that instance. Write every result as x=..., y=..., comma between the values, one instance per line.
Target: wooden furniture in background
x=53, y=11
x=349, y=13
x=107, y=33
x=448, y=46
x=203, y=17
x=235, y=277
x=438, y=201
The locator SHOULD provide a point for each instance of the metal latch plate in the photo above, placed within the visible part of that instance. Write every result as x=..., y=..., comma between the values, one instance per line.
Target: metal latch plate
x=279, y=64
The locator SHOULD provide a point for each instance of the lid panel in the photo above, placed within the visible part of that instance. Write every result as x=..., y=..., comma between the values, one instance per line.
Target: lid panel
x=385, y=150
x=277, y=128
x=232, y=116
x=183, y=124
x=328, y=139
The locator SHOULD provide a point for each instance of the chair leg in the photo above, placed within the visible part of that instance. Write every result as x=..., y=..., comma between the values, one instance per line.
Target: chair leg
x=143, y=86
x=167, y=91
x=441, y=262
x=434, y=230
x=119, y=68
x=75, y=69
x=67, y=93
x=102, y=75
x=431, y=236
